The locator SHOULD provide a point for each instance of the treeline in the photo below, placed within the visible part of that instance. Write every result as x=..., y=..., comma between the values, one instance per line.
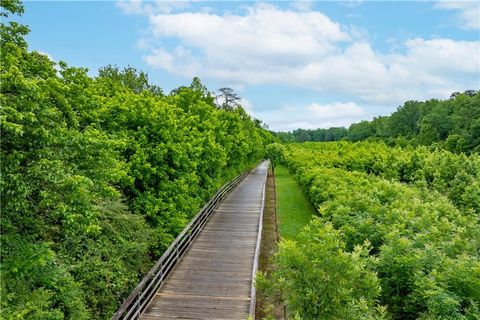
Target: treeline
x=455, y=176
x=396, y=236
x=319, y=135
x=98, y=175
x=453, y=124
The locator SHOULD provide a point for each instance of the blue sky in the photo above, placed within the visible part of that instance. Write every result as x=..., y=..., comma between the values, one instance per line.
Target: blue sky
x=296, y=64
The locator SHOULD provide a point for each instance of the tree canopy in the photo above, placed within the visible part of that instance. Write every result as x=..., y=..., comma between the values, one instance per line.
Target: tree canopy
x=275, y=153
x=396, y=235
x=99, y=174
x=452, y=124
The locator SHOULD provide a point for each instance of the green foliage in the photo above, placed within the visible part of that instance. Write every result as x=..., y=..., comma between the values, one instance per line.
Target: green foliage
x=360, y=131
x=320, y=280
x=11, y=6
x=302, y=135
x=452, y=124
x=36, y=284
x=275, y=153
x=98, y=176
x=130, y=78
x=455, y=176
x=423, y=246
x=405, y=121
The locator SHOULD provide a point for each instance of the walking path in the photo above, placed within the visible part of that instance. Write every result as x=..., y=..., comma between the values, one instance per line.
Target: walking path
x=213, y=280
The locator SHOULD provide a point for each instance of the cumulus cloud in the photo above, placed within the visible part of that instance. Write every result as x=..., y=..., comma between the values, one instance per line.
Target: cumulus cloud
x=179, y=61
x=269, y=45
x=264, y=33
x=294, y=47
x=335, y=110
x=314, y=116
x=468, y=12
x=261, y=46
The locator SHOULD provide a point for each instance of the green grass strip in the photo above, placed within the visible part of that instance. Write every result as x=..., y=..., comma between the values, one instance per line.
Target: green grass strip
x=293, y=208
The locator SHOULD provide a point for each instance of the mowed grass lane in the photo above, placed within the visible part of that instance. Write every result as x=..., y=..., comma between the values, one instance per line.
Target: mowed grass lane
x=293, y=208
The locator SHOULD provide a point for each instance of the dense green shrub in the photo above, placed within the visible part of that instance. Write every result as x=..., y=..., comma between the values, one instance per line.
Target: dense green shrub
x=320, y=280
x=422, y=238
x=452, y=124
x=275, y=152
x=456, y=176
x=98, y=175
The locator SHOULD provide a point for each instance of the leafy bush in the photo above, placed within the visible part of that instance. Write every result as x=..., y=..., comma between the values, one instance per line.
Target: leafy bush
x=320, y=280
x=422, y=254
x=452, y=124
x=99, y=175
x=275, y=152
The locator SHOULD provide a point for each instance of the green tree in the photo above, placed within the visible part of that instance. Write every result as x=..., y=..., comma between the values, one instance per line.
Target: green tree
x=227, y=99
x=360, y=131
x=405, y=121
x=131, y=78
x=99, y=175
x=427, y=263
x=319, y=280
x=275, y=153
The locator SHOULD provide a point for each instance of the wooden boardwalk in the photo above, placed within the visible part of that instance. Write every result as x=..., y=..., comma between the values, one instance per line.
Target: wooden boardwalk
x=213, y=280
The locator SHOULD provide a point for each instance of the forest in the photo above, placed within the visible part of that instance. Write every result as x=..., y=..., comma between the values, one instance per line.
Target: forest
x=98, y=176
x=452, y=124
x=396, y=234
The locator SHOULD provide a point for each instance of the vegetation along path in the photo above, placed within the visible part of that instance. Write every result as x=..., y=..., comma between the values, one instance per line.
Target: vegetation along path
x=268, y=305
x=214, y=278
x=294, y=209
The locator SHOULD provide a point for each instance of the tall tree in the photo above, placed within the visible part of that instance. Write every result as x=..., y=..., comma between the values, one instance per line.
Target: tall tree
x=275, y=152
x=405, y=121
x=227, y=99
x=131, y=78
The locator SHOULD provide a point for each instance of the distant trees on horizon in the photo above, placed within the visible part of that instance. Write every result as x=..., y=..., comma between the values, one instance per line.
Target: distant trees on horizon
x=453, y=124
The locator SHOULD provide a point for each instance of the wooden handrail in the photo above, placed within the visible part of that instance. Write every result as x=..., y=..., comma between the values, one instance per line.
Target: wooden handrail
x=143, y=293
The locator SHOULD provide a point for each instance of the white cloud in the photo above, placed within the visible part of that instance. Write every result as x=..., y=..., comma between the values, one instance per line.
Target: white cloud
x=269, y=45
x=308, y=50
x=313, y=116
x=468, y=12
x=265, y=32
x=247, y=106
x=335, y=110
x=441, y=56
x=259, y=47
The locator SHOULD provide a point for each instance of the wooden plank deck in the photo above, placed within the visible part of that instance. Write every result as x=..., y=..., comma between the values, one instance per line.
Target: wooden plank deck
x=214, y=278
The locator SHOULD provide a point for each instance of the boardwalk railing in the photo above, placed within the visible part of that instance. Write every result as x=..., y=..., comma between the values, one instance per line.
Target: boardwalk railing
x=253, y=292
x=141, y=296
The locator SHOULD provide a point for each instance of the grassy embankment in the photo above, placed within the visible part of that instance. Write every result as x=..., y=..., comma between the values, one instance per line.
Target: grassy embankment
x=293, y=208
